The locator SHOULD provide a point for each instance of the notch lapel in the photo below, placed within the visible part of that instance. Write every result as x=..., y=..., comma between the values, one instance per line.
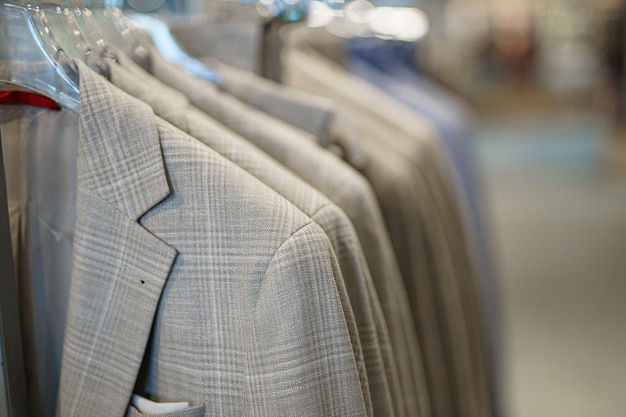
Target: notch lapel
x=119, y=268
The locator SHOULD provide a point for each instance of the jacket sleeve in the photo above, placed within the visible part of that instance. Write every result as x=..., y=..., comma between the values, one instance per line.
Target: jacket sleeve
x=300, y=355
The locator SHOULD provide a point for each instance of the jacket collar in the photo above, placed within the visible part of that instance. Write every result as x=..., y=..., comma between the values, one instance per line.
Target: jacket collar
x=310, y=113
x=119, y=268
x=318, y=116
x=119, y=154
x=165, y=101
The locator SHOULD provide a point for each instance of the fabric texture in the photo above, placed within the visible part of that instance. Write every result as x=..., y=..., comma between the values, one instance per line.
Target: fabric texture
x=225, y=290
x=391, y=66
x=313, y=114
x=308, y=112
x=361, y=296
x=346, y=188
x=422, y=216
x=195, y=411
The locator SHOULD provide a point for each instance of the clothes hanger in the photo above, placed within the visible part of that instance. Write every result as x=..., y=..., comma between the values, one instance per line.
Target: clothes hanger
x=109, y=30
x=70, y=38
x=105, y=45
x=168, y=47
x=106, y=18
x=104, y=25
x=118, y=28
x=33, y=58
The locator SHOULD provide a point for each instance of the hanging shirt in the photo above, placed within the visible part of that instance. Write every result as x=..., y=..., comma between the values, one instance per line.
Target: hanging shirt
x=39, y=149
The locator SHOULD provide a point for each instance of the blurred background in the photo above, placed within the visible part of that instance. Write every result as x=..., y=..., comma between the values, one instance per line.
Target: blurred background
x=544, y=81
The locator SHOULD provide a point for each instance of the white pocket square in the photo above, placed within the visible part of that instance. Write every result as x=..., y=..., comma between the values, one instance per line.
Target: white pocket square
x=146, y=406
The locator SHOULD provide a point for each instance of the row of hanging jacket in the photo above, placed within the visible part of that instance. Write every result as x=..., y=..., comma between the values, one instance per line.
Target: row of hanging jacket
x=190, y=239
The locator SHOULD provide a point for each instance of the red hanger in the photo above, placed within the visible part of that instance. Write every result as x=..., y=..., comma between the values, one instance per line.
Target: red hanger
x=29, y=99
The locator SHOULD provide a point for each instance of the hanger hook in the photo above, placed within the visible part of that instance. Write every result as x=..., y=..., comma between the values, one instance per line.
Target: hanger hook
x=101, y=67
x=91, y=52
x=57, y=55
x=108, y=52
x=61, y=59
x=88, y=51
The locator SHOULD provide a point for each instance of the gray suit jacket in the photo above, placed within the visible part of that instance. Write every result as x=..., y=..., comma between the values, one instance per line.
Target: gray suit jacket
x=225, y=291
x=426, y=227
x=346, y=188
x=360, y=292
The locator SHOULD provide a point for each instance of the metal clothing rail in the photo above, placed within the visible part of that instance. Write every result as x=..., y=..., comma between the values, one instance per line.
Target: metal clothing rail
x=12, y=358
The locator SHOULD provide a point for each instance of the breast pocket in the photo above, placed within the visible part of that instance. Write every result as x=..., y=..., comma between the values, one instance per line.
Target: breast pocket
x=193, y=411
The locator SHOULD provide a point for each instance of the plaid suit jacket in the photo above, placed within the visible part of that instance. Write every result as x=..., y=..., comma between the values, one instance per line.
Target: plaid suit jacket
x=411, y=175
x=225, y=291
x=346, y=188
x=372, y=329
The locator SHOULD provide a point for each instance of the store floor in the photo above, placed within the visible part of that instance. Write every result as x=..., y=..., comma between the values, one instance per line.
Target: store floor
x=558, y=225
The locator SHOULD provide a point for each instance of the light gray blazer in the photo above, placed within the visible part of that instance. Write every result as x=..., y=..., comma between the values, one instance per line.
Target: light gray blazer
x=224, y=290
x=427, y=227
x=342, y=185
x=360, y=292
x=330, y=124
